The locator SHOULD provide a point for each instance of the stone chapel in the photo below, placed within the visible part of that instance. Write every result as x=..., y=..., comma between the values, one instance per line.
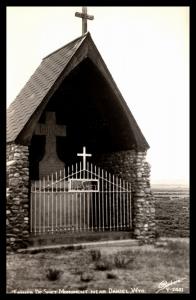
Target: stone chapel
x=71, y=103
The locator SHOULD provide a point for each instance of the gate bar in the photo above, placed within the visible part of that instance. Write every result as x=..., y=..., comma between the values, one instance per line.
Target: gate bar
x=124, y=200
x=96, y=204
x=72, y=205
x=48, y=205
x=52, y=205
x=64, y=204
x=56, y=204
x=127, y=188
x=117, y=200
x=68, y=205
x=102, y=201
x=106, y=201
x=88, y=208
x=76, y=200
x=80, y=198
x=31, y=224
x=120, y=208
x=60, y=219
x=110, y=205
x=130, y=208
x=91, y=201
x=99, y=203
x=113, y=201
x=44, y=183
x=35, y=206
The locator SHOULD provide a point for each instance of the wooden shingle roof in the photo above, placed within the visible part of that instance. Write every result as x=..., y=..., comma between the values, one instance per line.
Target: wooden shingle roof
x=30, y=97
x=51, y=70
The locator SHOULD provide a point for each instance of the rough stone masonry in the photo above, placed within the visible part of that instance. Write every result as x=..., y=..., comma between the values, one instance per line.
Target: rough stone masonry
x=18, y=200
x=132, y=166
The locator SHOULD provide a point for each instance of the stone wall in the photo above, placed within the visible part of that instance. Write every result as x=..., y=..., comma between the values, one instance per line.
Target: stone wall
x=17, y=205
x=172, y=216
x=132, y=166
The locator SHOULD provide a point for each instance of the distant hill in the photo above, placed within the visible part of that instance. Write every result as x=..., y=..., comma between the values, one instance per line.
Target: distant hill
x=165, y=186
x=171, y=190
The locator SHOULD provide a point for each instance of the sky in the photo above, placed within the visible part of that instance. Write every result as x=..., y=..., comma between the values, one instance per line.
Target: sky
x=146, y=50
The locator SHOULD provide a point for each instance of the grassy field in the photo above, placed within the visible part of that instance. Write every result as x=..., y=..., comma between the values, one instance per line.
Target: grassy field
x=171, y=210
x=139, y=269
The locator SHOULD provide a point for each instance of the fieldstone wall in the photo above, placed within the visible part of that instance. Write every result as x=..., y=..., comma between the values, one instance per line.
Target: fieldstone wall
x=17, y=205
x=132, y=166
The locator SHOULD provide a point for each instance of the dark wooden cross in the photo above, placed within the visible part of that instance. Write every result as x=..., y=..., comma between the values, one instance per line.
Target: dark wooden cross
x=84, y=17
x=50, y=162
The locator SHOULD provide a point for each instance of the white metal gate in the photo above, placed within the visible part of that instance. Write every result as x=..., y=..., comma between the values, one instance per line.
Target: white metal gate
x=80, y=198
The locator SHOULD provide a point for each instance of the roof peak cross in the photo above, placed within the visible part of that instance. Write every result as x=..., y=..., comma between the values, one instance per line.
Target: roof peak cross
x=84, y=17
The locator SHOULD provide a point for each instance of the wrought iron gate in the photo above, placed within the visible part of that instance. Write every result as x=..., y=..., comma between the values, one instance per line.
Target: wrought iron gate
x=80, y=199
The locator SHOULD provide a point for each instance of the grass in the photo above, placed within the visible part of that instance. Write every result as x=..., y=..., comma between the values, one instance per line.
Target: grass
x=103, y=270
x=111, y=275
x=53, y=274
x=95, y=254
x=103, y=265
x=121, y=260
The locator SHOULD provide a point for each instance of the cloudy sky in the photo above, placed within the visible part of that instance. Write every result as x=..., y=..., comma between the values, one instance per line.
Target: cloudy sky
x=147, y=52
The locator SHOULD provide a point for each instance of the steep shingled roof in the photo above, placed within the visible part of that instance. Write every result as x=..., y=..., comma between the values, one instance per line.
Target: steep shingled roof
x=44, y=79
x=22, y=108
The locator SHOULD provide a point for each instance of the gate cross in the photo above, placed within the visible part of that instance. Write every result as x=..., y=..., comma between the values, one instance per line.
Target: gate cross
x=84, y=155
